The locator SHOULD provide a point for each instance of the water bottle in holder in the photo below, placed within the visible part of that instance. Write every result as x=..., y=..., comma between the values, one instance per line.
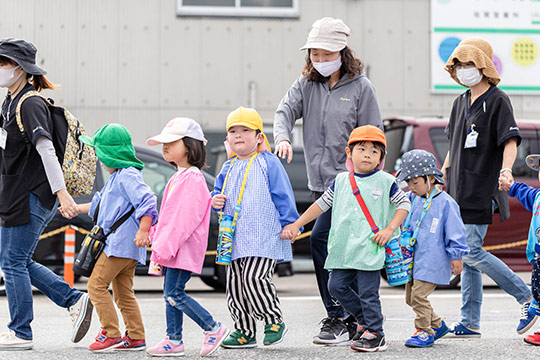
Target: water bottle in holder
x=395, y=270
x=406, y=243
x=225, y=240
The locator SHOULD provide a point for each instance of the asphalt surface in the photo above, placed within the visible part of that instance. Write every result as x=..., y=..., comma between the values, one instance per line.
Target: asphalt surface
x=302, y=312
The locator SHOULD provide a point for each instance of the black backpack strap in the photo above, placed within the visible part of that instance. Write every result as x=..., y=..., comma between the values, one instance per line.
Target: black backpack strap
x=117, y=223
x=120, y=221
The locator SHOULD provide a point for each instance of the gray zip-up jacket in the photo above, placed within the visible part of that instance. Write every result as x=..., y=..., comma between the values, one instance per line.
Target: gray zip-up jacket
x=329, y=116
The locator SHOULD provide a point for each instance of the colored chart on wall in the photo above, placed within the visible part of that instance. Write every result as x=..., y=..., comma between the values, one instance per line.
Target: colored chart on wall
x=512, y=27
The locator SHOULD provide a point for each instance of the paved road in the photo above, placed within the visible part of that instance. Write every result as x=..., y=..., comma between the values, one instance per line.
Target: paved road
x=302, y=310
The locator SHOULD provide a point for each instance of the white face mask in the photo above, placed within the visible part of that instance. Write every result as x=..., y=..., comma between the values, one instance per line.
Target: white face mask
x=7, y=77
x=329, y=67
x=469, y=77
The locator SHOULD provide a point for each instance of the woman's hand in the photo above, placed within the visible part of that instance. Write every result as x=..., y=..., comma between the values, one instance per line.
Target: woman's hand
x=142, y=238
x=68, y=207
x=284, y=150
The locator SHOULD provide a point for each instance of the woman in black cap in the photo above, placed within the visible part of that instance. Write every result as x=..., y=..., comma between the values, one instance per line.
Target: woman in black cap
x=31, y=186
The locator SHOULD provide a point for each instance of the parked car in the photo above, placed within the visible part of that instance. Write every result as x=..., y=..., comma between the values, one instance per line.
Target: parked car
x=404, y=134
x=156, y=173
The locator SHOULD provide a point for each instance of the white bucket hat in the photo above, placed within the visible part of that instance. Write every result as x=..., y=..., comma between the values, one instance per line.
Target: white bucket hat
x=177, y=129
x=328, y=34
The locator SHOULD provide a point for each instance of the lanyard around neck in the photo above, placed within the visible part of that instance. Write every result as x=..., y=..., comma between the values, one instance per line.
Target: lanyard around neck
x=426, y=207
x=237, y=207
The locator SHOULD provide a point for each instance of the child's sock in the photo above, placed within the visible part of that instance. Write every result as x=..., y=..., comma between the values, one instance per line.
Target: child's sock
x=176, y=342
x=215, y=327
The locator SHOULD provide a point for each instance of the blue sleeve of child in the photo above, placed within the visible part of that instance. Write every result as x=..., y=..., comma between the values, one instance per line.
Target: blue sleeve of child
x=220, y=179
x=281, y=190
x=524, y=193
x=140, y=195
x=454, y=232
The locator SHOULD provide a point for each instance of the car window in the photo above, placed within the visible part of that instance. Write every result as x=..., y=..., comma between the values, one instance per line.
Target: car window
x=156, y=175
x=399, y=140
x=440, y=142
x=520, y=168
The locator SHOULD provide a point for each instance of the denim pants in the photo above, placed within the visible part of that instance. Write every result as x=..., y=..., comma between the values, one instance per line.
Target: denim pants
x=319, y=252
x=363, y=304
x=17, y=245
x=480, y=261
x=178, y=303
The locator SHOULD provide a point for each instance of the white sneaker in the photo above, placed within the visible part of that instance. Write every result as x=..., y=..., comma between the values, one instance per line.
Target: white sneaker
x=81, y=316
x=10, y=341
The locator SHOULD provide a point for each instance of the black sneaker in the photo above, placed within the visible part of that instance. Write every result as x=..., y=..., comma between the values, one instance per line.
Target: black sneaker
x=333, y=332
x=352, y=326
x=359, y=332
x=370, y=341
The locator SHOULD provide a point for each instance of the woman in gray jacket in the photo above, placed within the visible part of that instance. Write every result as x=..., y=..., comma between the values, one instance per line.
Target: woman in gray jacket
x=333, y=96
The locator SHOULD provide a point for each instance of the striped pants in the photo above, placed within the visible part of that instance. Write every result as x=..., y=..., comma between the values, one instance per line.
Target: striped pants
x=251, y=295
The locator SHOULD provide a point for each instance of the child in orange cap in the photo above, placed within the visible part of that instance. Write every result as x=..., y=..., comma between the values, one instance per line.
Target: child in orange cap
x=254, y=187
x=355, y=249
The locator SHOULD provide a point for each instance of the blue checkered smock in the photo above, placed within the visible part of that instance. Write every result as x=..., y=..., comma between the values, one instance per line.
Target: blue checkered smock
x=268, y=205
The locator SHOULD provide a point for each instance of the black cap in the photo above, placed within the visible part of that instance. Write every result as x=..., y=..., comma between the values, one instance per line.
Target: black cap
x=23, y=53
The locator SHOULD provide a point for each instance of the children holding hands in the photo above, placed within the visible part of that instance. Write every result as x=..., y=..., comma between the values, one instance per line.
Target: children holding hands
x=356, y=251
x=267, y=204
x=124, y=192
x=436, y=232
x=180, y=238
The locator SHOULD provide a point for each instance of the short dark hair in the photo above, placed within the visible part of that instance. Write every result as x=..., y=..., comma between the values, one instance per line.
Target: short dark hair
x=196, y=152
x=377, y=145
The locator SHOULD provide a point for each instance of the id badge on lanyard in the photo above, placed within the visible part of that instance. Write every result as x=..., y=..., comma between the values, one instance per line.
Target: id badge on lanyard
x=472, y=137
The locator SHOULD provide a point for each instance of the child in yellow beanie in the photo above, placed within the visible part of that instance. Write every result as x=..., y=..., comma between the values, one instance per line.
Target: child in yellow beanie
x=254, y=187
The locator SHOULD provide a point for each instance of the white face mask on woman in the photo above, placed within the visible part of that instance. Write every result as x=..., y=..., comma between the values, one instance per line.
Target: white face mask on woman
x=329, y=67
x=469, y=77
x=8, y=78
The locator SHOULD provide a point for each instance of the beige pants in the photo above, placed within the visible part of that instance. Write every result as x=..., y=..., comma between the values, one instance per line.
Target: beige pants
x=416, y=293
x=119, y=272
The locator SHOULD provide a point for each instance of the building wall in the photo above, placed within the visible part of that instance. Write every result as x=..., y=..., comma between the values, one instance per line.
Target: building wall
x=135, y=62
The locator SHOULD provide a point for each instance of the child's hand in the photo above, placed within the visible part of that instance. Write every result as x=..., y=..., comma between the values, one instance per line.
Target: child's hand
x=218, y=201
x=382, y=236
x=456, y=266
x=142, y=238
x=290, y=232
x=505, y=181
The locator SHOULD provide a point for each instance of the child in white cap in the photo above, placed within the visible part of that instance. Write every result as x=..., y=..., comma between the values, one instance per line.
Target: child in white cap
x=435, y=231
x=180, y=238
x=528, y=197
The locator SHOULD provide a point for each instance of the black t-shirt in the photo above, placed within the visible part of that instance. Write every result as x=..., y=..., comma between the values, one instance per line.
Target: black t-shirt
x=474, y=172
x=21, y=168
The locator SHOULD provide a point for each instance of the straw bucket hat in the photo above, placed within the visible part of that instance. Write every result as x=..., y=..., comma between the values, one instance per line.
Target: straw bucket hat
x=478, y=51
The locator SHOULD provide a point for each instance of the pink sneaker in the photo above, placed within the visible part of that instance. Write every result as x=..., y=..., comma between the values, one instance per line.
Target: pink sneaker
x=166, y=348
x=213, y=340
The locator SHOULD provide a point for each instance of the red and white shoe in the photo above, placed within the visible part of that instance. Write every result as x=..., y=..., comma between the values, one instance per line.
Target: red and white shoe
x=104, y=343
x=131, y=344
x=533, y=339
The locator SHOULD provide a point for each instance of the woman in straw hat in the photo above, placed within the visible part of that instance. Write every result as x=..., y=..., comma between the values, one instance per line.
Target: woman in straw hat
x=483, y=145
x=31, y=186
x=333, y=96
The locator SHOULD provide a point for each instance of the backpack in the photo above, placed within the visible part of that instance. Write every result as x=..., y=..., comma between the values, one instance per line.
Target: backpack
x=78, y=161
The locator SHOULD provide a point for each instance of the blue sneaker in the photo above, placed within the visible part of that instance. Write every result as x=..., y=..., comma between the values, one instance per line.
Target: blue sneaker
x=461, y=331
x=420, y=339
x=529, y=313
x=440, y=331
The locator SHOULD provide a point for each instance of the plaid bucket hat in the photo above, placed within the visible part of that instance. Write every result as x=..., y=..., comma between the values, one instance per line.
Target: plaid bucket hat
x=417, y=163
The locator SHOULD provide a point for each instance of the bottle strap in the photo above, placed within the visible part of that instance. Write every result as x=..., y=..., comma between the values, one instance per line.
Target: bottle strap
x=356, y=193
x=241, y=195
x=426, y=207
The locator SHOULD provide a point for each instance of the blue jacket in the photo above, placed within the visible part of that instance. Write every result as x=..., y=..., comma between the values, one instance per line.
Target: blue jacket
x=528, y=197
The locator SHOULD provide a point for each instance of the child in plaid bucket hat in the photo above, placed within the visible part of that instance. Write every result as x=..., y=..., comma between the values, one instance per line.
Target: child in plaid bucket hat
x=528, y=197
x=434, y=232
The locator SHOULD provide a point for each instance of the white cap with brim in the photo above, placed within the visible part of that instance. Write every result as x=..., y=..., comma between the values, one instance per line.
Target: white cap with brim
x=328, y=34
x=177, y=129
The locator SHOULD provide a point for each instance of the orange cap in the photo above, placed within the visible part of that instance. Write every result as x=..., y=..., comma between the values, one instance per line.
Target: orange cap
x=367, y=133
